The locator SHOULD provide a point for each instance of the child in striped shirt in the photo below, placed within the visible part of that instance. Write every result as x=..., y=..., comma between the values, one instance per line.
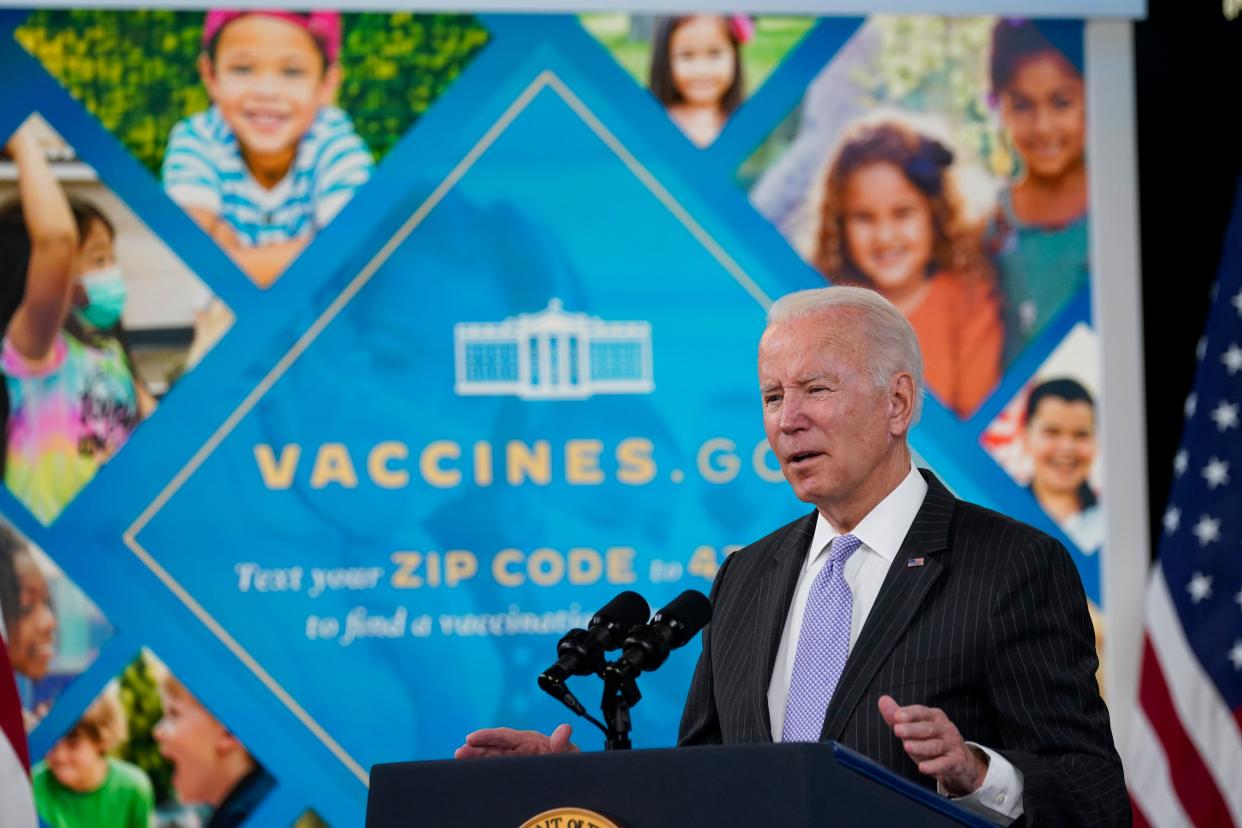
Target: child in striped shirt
x=273, y=160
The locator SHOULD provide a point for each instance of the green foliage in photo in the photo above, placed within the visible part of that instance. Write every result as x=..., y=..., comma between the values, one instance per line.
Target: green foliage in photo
x=137, y=72
x=141, y=701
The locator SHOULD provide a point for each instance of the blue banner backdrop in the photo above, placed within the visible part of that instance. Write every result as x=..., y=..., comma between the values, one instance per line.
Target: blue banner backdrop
x=513, y=377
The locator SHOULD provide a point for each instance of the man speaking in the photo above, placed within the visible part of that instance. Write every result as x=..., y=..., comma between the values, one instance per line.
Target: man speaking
x=949, y=643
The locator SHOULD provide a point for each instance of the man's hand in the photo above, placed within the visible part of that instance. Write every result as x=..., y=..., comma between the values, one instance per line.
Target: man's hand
x=934, y=742
x=505, y=741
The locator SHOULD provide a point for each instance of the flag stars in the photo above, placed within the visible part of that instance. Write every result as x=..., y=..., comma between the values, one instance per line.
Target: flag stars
x=1216, y=473
x=1237, y=302
x=1192, y=402
x=1201, y=348
x=1225, y=416
x=1172, y=519
x=1232, y=358
x=1180, y=461
x=1200, y=587
x=1207, y=530
x=1235, y=655
x=1238, y=598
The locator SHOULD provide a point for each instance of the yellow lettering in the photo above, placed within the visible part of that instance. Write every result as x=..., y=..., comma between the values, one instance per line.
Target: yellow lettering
x=528, y=462
x=582, y=462
x=277, y=474
x=759, y=458
x=585, y=566
x=433, y=569
x=717, y=461
x=377, y=465
x=545, y=566
x=459, y=565
x=482, y=463
x=620, y=565
x=501, y=573
x=404, y=577
x=332, y=465
x=703, y=562
x=429, y=464
x=635, y=465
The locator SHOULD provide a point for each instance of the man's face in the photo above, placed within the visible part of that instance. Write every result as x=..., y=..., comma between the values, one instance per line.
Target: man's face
x=827, y=423
x=191, y=739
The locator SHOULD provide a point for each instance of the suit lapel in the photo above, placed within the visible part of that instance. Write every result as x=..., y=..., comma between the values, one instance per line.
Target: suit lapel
x=776, y=590
x=901, y=595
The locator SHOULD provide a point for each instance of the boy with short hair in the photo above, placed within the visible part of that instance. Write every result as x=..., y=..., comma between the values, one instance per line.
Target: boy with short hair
x=273, y=160
x=79, y=784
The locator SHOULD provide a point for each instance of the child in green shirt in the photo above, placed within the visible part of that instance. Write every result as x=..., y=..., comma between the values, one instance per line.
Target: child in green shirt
x=78, y=784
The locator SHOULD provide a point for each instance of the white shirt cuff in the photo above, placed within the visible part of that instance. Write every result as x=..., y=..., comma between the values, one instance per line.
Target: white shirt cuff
x=999, y=798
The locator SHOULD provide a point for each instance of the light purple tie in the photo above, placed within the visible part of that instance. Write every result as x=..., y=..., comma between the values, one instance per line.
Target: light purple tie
x=823, y=646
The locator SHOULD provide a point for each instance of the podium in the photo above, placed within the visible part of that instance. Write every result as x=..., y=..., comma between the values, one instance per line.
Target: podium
x=790, y=785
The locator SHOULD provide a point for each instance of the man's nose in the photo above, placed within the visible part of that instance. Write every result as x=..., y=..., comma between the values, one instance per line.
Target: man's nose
x=793, y=418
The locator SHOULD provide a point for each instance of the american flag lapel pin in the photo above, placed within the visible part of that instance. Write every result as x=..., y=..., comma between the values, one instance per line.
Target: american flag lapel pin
x=913, y=562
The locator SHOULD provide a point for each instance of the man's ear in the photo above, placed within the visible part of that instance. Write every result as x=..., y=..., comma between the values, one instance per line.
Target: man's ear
x=901, y=398
x=330, y=86
x=207, y=72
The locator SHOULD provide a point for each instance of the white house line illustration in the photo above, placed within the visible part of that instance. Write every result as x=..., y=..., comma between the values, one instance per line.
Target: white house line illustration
x=553, y=355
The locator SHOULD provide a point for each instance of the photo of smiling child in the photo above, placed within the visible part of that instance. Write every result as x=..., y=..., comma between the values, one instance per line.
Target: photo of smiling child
x=1060, y=439
x=52, y=630
x=273, y=160
x=1038, y=232
x=79, y=783
x=696, y=70
x=892, y=220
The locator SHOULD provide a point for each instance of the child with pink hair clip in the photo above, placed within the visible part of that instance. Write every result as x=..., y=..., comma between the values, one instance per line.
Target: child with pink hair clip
x=273, y=160
x=696, y=70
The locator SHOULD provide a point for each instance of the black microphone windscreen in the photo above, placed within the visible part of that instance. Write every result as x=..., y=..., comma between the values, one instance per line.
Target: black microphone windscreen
x=628, y=609
x=691, y=608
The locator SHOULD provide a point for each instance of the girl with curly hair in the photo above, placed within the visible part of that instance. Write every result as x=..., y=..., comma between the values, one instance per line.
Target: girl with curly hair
x=892, y=220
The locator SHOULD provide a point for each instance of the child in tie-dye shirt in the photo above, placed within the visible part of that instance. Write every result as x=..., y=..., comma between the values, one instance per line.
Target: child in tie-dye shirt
x=71, y=395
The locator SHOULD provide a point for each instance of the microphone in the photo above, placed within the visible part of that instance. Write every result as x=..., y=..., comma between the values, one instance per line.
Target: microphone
x=582, y=651
x=646, y=647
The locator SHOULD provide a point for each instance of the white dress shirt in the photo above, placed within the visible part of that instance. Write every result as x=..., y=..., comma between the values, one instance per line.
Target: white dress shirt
x=881, y=532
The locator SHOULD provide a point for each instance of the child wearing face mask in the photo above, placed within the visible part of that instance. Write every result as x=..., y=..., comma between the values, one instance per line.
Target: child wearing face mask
x=273, y=160
x=892, y=220
x=1038, y=234
x=70, y=388
x=696, y=71
x=79, y=784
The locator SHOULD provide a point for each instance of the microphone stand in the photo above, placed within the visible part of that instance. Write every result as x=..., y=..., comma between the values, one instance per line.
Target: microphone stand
x=619, y=697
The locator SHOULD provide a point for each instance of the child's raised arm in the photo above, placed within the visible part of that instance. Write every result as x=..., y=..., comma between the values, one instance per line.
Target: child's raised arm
x=53, y=244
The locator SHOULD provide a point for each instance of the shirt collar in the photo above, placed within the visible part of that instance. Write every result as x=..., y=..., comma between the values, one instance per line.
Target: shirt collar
x=884, y=528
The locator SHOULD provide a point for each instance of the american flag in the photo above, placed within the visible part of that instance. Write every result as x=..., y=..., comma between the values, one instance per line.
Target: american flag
x=1185, y=763
x=16, y=798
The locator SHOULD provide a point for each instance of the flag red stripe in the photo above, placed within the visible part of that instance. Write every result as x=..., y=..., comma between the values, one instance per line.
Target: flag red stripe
x=1140, y=819
x=1191, y=779
x=11, y=724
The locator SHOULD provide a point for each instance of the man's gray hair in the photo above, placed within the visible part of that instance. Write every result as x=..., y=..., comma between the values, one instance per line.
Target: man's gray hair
x=893, y=345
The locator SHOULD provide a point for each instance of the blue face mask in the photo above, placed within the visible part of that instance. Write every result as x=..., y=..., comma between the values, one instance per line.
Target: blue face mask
x=105, y=297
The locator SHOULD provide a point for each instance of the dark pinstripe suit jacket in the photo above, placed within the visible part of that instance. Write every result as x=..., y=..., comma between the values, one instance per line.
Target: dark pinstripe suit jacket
x=993, y=629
